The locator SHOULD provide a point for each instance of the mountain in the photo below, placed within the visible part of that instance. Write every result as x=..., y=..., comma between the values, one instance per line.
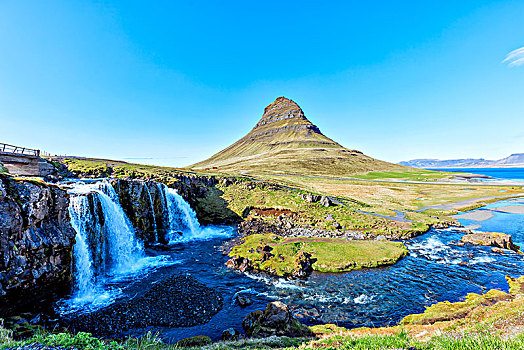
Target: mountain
x=515, y=160
x=285, y=141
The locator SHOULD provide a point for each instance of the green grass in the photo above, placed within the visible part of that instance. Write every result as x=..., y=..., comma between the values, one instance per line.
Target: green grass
x=239, y=197
x=332, y=255
x=403, y=340
x=412, y=175
x=445, y=311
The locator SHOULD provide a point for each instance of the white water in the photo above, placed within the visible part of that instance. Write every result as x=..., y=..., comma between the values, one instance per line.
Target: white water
x=183, y=223
x=106, y=249
x=120, y=254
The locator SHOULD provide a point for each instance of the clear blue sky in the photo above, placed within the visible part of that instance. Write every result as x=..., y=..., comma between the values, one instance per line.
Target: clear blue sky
x=179, y=80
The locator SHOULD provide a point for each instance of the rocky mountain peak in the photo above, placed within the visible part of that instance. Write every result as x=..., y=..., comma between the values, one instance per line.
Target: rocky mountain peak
x=283, y=115
x=285, y=141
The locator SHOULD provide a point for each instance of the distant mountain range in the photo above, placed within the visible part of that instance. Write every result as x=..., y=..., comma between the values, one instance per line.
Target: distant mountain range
x=284, y=141
x=515, y=160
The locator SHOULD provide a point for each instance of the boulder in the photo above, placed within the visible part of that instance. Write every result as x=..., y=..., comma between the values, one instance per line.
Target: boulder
x=243, y=300
x=274, y=320
x=326, y=201
x=194, y=342
x=491, y=239
x=230, y=334
x=311, y=198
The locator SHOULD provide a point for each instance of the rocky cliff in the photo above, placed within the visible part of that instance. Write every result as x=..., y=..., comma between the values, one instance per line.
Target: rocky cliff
x=36, y=243
x=144, y=203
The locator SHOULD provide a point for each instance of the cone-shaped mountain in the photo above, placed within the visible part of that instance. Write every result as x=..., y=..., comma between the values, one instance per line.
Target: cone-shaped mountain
x=285, y=141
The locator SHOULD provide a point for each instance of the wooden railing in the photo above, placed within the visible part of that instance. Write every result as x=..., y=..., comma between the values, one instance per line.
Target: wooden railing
x=5, y=148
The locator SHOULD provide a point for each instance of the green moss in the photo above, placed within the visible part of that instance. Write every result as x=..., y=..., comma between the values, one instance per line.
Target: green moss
x=516, y=285
x=445, y=311
x=329, y=254
x=194, y=342
x=326, y=329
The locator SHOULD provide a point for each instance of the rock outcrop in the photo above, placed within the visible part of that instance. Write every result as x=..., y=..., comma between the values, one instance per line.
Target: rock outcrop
x=36, y=243
x=491, y=239
x=274, y=320
x=145, y=205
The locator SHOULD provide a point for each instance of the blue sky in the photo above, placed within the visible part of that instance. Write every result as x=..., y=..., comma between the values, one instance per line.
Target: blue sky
x=176, y=81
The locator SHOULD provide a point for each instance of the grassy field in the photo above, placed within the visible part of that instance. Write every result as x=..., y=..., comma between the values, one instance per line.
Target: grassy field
x=331, y=254
x=394, y=195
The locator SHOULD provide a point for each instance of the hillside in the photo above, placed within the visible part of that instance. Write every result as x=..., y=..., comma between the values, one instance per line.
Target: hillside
x=515, y=160
x=285, y=141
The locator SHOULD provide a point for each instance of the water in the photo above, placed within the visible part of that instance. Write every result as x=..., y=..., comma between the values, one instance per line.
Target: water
x=106, y=249
x=436, y=270
x=516, y=174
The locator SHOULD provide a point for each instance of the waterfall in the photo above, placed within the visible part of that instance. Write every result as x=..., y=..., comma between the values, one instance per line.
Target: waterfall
x=106, y=246
x=107, y=251
x=182, y=220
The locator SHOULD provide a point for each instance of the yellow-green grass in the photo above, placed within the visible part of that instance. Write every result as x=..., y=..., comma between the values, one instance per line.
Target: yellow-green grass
x=411, y=174
x=394, y=195
x=330, y=254
x=239, y=197
x=445, y=311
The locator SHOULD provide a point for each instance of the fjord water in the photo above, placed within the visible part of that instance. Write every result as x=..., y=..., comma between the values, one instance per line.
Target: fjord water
x=496, y=173
x=436, y=270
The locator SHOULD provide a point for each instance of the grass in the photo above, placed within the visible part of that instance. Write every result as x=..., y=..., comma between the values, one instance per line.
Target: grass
x=331, y=255
x=445, y=311
x=412, y=175
x=357, y=195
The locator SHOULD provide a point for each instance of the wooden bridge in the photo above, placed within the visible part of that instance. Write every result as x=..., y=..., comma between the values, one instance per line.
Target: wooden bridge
x=24, y=161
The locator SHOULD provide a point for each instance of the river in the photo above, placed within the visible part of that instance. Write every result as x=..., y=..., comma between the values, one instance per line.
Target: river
x=436, y=270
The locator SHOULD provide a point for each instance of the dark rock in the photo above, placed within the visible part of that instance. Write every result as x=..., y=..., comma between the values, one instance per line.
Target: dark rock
x=311, y=198
x=230, y=334
x=326, y=201
x=274, y=320
x=36, y=243
x=243, y=300
x=193, y=342
x=177, y=301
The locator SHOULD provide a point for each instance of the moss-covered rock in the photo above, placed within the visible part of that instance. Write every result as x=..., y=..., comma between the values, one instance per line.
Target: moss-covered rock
x=299, y=256
x=516, y=285
x=194, y=342
x=446, y=311
x=274, y=320
x=491, y=239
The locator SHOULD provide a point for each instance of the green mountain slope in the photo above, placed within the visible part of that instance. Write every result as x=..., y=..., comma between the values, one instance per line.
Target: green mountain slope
x=284, y=141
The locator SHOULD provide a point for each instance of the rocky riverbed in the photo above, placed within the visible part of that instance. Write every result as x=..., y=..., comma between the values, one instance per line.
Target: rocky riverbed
x=177, y=301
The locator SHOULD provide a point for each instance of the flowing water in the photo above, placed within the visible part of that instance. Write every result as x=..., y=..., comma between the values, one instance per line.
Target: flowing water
x=437, y=269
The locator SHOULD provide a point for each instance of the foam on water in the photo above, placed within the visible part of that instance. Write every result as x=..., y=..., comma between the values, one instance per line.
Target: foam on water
x=112, y=237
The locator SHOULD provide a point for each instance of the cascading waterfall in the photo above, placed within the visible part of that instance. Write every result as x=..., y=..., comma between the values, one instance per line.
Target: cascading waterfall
x=105, y=236
x=106, y=248
x=182, y=220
